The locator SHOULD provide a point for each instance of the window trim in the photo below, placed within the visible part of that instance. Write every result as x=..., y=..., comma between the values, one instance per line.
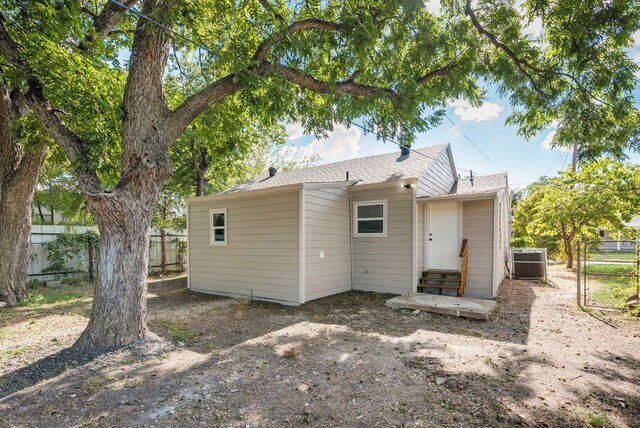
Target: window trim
x=384, y=218
x=212, y=228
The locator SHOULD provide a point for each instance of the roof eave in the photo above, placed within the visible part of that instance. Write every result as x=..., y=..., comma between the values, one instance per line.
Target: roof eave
x=458, y=197
x=267, y=191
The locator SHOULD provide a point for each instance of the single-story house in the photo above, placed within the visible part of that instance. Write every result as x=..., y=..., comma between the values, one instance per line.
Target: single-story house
x=619, y=240
x=373, y=224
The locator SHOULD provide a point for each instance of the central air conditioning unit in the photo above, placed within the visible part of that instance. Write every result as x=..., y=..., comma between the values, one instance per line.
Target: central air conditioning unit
x=528, y=263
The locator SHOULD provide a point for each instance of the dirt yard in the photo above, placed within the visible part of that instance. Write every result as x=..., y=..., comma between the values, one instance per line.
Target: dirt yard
x=347, y=360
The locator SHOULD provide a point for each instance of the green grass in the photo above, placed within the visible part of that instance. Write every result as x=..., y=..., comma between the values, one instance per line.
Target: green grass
x=611, y=284
x=13, y=352
x=50, y=296
x=597, y=419
x=40, y=299
x=179, y=333
x=612, y=255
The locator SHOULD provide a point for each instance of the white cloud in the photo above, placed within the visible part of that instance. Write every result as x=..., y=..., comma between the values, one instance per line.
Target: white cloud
x=636, y=38
x=548, y=140
x=432, y=6
x=466, y=112
x=341, y=143
x=533, y=28
x=294, y=130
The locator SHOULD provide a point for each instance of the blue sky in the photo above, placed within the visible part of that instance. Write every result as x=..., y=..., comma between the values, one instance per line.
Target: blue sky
x=524, y=161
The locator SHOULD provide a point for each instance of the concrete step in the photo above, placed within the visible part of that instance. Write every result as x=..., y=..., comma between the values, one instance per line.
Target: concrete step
x=449, y=305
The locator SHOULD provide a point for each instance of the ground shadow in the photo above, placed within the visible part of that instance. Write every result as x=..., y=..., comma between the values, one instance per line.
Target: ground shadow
x=46, y=368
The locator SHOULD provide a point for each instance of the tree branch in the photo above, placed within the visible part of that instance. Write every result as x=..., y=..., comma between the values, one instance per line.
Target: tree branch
x=442, y=71
x=197, y=103
x=345, y=87
x=520, y=63
x=269, y=8
x=306, y=24
x=70, y=143
x=524, y=65
x=8, y=48
x=35, y=99
x=110, y=16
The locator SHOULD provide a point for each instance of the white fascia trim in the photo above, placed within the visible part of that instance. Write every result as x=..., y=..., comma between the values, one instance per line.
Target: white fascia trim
x=452, y=198
x=401, y=183
x=243, y=194
x=302, y=242
x=329, y=185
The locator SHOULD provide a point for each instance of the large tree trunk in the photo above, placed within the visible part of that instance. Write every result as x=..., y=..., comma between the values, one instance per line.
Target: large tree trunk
x=16, y=198
x=18, y=177
x=124, y=218
x=124, y=214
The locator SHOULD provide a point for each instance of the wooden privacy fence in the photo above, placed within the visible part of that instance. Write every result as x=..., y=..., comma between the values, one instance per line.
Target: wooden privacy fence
x=71, y=251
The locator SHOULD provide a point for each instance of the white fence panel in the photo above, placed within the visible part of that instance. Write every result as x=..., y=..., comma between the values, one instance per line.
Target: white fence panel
x=175, y=252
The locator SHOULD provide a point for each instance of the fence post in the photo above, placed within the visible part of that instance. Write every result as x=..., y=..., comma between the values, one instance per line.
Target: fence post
x=578, y=270
x=163, y=262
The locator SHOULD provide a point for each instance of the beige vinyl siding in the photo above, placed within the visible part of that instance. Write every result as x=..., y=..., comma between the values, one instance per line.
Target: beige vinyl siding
x=385, y=264
x=261, y=253
x=477, y=227
x=420, y=238
x=328, y=230
x=438, y=179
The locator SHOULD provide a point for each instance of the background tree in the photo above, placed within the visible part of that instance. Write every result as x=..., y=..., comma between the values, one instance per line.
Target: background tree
x=22, y=151
x=216, y=151
x=58, y=191
x=602, y=193
x=521, y=212
x=391, y=64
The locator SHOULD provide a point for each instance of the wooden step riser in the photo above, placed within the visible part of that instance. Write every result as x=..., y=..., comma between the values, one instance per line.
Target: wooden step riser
x=440, y=281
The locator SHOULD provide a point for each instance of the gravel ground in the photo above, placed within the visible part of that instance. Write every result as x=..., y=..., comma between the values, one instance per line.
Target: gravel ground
x=346, y=360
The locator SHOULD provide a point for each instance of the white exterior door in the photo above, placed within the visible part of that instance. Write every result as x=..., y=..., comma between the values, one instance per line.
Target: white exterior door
x=443, y=236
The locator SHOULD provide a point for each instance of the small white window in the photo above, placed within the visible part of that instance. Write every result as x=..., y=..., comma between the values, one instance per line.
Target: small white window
x=370, y=218
x=218, y=227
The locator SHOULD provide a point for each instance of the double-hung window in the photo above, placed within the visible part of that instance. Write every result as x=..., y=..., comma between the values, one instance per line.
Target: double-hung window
x=218, y=227
x=370, y=218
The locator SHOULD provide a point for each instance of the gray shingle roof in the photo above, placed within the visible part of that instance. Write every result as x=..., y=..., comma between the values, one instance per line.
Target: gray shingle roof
x=367, y=170
x=482, y=184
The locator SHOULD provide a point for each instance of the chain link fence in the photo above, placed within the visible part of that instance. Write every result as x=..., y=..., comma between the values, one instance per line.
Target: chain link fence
x=608, y=275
